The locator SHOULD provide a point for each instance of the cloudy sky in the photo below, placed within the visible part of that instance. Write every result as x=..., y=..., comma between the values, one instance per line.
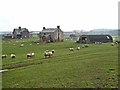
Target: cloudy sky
x=69, y=14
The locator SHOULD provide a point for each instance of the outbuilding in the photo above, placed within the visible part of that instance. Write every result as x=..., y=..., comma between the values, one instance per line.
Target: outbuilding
x=95, y=38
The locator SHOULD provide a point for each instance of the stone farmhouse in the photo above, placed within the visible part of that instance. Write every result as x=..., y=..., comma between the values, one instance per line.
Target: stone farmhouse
x=20, y=33
x=51, y=35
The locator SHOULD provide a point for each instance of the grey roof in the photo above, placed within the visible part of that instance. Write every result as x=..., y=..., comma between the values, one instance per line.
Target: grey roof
x=98, y=37
x=49, y=30
x=18, y=31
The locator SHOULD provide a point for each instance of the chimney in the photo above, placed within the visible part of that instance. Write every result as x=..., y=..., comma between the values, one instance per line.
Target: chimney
x=43, y=28
x=19, y=28
x=58, y=27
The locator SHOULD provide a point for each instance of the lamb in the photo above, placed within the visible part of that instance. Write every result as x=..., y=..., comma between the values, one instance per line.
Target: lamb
x=71, y=49
x=12, y=56
x=4, y=56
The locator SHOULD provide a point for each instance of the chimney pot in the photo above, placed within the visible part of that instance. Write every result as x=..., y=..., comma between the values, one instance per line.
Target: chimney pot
x=19, y=27
x=43, y=27
x=58, y=27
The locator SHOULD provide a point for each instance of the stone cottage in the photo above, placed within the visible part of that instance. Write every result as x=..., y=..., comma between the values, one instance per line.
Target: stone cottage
x=51, y=35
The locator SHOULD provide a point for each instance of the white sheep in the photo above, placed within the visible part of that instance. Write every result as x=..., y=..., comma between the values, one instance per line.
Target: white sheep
x=112, y=44
x=53, y=51
x=4, y=56
x=12, y=55
x=33, y=54
x=48, y=53
x=30, y=55
x=21, y=45
x=78, y=48
x=71, y=49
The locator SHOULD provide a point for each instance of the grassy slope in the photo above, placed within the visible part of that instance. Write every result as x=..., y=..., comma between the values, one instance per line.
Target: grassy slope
x=89, y=67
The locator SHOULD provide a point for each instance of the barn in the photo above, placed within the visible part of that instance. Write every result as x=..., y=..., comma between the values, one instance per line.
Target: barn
x=95, y=38
x=20, y=33
x=51, y=35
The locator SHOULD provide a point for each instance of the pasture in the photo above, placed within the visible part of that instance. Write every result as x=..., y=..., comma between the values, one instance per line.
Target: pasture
x=95, y=66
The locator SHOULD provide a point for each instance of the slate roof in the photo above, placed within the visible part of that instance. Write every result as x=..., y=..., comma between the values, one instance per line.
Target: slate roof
x=49, y=30
x=19, y=31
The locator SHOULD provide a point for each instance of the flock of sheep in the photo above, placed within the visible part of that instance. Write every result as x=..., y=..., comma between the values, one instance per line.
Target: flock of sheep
x=78, y=48
x=11, y=55
x=49, y=53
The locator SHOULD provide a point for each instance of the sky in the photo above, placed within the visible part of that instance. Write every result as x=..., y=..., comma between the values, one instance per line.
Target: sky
x=68, y=14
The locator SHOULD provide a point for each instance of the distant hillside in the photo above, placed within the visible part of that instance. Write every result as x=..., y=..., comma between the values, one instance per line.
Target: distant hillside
x=112, y=32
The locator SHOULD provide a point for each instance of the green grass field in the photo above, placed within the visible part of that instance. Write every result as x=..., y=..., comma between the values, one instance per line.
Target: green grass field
x=92, y=67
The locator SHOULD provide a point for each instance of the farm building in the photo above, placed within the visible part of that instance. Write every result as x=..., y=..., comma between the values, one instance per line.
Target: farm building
x=95, y=38
x=34, y=33
x=20, y=33
x=51, y=35
x=7, y=36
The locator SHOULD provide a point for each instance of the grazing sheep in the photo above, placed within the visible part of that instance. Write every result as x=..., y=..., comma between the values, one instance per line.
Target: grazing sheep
x=48, y=53
x=30, y=55
x=21, y=45
x=53, y=51
x=33, y=54
x=12, y=56
x=78, y=48
x=86, y=45
x=4, y=56
x=71, y=49
x=116, y=42
x=112, y=44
